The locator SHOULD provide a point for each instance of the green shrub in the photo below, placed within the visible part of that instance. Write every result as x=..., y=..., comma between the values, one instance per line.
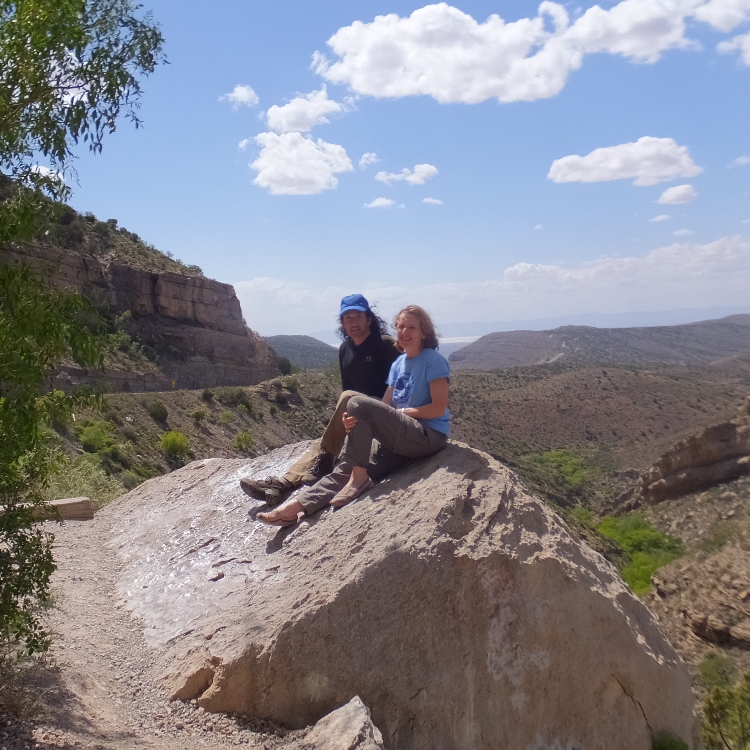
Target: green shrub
x=83, y=476
x=207, y=394
x=273, y=410
x=127, y=431
x=96, y=437
x=157, y=410
x=291, y=383
x=726, y=717
x=243, y=442
x=226, y=417
x=174, y=444
x=130, y=480
x=563, y=467
x=281, y=398
x=646, y=548
x=668, y=741
x=232, y=396
x=716, y=670
x=242, y=409
x=285, y=366
x=198, y=416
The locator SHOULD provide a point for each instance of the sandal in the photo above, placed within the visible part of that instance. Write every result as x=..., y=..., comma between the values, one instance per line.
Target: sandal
x=351, y=493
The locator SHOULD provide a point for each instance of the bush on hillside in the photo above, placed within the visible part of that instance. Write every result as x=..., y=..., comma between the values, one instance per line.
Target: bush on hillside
x=726, y=717
x=233, y=396
x=716, y=670
x=198, y=416
x=291, y=383
x=285, y=366
x=83, y=476
x=96, y=437
x=175, y=445
x=646, y=548
x=207, y=394
x=243, y=442
x=226, y=417
x=157, y=410
x=668, y=741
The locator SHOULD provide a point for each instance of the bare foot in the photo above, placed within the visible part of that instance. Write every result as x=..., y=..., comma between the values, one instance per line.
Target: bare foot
x=285, y=515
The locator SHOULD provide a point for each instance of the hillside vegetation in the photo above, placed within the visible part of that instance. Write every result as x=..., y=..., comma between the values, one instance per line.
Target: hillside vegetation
x=305, y=352
x=86, y=235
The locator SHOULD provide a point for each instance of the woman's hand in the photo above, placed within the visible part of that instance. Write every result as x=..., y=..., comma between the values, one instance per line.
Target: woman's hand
x=348, y=422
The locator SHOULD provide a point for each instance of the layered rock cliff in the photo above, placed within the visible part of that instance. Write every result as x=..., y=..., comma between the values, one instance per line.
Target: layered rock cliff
x=192, y=326
x=717, y=454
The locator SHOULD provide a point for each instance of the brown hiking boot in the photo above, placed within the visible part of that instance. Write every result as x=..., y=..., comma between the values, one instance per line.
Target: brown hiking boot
x=270, y=489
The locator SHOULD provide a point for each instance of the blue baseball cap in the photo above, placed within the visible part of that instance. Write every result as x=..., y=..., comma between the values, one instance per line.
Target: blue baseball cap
x=354, y=302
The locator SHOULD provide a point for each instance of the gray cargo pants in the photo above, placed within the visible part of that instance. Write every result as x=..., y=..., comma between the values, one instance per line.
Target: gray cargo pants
x=398, y=437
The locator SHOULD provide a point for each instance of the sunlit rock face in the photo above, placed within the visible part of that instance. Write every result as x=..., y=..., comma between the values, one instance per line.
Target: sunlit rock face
x=459, y=608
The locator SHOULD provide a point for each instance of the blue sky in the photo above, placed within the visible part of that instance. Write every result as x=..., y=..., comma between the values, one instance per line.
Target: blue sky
x=520, y=162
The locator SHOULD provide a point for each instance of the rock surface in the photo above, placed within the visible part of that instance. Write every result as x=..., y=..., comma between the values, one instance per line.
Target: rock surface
x=717, y=454
x=347, y=728
x=460, y=608
x=196, y=323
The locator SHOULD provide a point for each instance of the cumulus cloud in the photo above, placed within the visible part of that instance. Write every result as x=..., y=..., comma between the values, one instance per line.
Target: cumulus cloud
x=740, y=161
x=421, y=173
x=717, y=273
x=367, y=159
x=647, y=161
x=723, y=15
x=678, y=194
x=240, y=96
x=244, y=143
x=739, y=44
x=432, y=201
x=661, y=217
x=302, y=113
x=381, y=203
x=683, y=232
x=293, y=164
x=442, y=52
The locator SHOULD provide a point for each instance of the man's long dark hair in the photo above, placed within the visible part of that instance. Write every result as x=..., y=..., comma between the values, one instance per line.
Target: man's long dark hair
x=377, y=325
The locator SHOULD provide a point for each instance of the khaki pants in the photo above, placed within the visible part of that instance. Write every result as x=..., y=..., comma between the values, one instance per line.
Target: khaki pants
x=332, y=441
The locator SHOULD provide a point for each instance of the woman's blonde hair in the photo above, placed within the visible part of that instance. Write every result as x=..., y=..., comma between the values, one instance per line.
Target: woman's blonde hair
x=430, y=340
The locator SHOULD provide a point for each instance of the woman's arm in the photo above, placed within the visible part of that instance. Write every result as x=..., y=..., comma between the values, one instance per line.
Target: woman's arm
x=388, y=396
x=439, y=396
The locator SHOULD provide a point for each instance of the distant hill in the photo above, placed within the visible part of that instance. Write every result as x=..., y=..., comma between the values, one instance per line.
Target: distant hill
x=689, y=344
x=304, y=351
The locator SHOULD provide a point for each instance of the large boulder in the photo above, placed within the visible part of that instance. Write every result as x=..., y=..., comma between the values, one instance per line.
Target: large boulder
x=459, y=607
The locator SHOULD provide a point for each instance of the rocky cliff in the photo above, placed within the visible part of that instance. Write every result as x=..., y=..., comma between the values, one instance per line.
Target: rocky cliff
x=716, y=454
x=458, y=606
x=192, y=326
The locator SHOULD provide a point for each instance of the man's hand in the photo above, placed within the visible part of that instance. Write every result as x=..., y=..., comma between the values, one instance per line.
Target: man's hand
x=348, y=421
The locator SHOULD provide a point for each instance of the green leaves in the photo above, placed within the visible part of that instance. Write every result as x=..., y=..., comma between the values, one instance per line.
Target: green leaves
x=726, y=717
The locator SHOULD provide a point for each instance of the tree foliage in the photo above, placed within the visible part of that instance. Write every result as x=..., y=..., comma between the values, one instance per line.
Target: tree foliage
x=68, y=70
x=39, y=325
x=726, y=717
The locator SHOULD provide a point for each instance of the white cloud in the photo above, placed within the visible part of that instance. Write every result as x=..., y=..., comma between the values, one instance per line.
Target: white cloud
x=661, y=217
x=647, y=161
x=442, y=52
x=381, y=203
x=683, y=232
x=367, y=159
x=244, y=143
x=303, y=113
x=292, y=164
x=537, y=227
x=678, y=194
x=432, y=201
x=723, y=15
x=421, y=173
x=740, y=44
x=717, y=273
x=240, y=96
x=740, y=161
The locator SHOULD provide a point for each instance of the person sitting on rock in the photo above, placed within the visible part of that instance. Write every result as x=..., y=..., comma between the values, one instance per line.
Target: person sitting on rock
x=411, y=421
x=365, y=358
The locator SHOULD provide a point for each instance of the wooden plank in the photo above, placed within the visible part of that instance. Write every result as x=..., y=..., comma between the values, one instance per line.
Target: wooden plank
x=67, y=509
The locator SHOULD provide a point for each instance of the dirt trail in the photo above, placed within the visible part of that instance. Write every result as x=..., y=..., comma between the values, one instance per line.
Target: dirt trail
x=105, y=694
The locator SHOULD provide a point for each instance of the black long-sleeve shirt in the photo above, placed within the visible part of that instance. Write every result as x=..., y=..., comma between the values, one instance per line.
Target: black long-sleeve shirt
x=365, y=368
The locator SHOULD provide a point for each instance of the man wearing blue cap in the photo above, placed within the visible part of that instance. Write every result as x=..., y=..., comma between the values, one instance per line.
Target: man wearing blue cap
x=365, y=358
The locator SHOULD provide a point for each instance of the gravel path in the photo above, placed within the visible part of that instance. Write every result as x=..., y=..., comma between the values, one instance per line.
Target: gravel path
x=104, y=693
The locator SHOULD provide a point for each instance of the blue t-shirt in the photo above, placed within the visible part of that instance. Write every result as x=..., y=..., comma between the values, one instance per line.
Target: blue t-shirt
x=411, y=378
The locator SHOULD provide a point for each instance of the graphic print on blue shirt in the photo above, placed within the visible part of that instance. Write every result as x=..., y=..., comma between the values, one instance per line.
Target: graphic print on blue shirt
x=402, y=389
